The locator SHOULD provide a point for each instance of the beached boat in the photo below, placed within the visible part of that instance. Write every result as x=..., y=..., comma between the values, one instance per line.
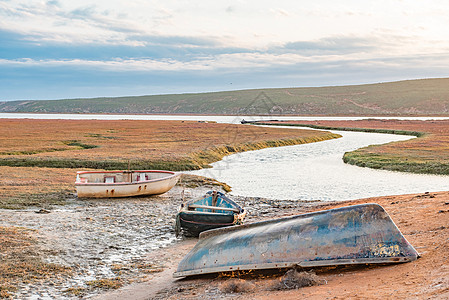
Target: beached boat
x=214, y=210
x=105, y=184
x=358, y=234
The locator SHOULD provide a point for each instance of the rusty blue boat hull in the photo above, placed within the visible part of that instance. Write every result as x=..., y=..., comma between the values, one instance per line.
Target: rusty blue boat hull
x=358, y=234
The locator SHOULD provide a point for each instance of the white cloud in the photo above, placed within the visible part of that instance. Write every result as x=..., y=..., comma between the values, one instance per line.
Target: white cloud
x=238, y=62
x=252, y=24
x=290, y=38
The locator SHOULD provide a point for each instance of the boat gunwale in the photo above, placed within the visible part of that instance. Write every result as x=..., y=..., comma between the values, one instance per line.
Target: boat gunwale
x=208, y=194
x=173, y=175
x=191, y=212
x=303, y=264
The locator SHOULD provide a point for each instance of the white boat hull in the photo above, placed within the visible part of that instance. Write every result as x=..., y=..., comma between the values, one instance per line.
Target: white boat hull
x=129, y=183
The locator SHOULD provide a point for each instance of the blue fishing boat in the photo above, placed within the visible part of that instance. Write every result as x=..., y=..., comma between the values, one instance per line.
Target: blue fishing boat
x=214, y=210
x=358, y=234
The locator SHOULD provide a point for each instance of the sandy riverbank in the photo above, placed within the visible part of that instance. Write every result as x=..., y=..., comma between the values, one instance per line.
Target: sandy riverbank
x=422, y=218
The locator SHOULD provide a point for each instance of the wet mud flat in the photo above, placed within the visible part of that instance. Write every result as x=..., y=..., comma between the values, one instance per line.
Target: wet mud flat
x=108, y=243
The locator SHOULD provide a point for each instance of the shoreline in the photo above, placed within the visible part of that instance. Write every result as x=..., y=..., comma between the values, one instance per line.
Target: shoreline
x=243, y=115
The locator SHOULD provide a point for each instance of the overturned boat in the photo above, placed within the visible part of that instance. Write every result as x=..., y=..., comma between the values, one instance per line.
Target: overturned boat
x=106, y=184
x=214, y=210
x=359, y=234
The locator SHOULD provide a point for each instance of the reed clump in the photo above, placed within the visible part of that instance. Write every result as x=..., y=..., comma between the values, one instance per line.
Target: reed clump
x=296, y=280
x=22, y=262
x=237, y=286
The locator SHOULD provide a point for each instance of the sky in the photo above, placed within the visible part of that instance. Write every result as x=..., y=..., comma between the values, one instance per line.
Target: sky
x=76, y=49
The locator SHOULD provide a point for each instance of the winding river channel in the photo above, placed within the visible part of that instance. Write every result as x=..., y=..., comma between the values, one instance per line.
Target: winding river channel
x=316, y=172
x=304, y=172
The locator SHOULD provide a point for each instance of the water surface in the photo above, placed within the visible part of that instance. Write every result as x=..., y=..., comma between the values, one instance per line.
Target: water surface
x=317, y=172
x=218, y=119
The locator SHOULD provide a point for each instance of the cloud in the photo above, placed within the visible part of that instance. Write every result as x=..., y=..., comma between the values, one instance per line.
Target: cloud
x=279, y=12
x=28, y=79
x=333, y=45
x=208, y=45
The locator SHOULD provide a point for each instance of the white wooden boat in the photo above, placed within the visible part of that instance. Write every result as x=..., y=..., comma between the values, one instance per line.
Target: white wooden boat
x=106, y=184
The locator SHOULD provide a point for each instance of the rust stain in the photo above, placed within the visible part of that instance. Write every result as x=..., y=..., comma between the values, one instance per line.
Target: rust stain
x=112, y=192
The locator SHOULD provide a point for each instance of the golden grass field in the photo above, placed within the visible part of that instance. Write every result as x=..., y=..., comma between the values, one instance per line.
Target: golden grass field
x=173, y=145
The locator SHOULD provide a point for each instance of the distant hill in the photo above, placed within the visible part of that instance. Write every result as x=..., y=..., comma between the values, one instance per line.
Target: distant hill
x=410, y=97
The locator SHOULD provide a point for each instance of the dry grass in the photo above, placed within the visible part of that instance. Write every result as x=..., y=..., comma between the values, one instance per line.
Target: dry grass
x=427, y=154
x=106, y=283
x=100, y=144
x=42, y=187
x=237, y=286
x=21, y=261
x=295, y=280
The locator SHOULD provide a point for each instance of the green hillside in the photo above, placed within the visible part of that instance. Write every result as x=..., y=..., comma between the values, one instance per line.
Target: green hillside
x=411, y=97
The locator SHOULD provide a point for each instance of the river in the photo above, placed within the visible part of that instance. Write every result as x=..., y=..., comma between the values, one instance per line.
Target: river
x=218, y=119
x=303, y=172
x=317, y=172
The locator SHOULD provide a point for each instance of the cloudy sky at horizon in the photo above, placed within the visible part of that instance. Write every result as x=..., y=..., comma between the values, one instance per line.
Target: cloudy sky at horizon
x=68, y=49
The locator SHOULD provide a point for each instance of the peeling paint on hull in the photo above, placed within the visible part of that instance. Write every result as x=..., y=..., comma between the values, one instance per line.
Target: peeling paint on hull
x=359, y=234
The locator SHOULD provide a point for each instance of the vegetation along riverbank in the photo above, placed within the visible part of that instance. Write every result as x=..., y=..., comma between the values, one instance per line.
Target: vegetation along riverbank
x=101, y=144
x=427, y=154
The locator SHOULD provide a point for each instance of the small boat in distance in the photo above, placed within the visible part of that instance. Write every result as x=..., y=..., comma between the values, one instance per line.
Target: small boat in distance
x=214, y=210
x=107, y=184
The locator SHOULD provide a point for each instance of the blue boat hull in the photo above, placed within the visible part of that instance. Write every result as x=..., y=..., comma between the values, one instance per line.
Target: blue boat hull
x=358, y=234
x=212, y=211
x=194, y=223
